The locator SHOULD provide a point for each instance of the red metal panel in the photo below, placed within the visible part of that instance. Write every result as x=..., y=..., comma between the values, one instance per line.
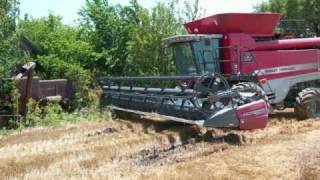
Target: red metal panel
x=264, y=59
x=254, y=24
x=44, y=88
x=269, y=59
x=57, y=87
x=233, y=45
x=35, y=93
x=281, y=59
x=229, y=54
x=253, y=116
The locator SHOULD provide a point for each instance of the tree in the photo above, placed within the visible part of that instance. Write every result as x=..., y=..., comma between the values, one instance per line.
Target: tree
x=293, y=9
x=9, y=54
x=65, y=54
x=262, y=7
x=272, y=6
x=127, y=39
x=9, y=47
x=107, y=28
x=57, y=39
x=311, y=13
x=193, y=10
x=278, y=6
x=146, y=55
x=306, y=10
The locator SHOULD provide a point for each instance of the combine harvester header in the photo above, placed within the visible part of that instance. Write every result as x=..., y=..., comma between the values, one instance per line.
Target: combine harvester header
x=231, y=69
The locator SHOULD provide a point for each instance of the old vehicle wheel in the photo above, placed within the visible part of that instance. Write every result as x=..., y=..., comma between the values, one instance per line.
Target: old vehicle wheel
x=252, y=92
x=308, y=104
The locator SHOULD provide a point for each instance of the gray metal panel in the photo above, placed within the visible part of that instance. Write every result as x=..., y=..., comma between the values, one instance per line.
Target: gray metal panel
x=159, y=116
x=153, y=78
x=189, y=38
x=223, y=118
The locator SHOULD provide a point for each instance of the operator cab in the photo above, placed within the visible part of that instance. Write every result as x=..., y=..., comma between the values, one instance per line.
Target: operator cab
x=196, y=54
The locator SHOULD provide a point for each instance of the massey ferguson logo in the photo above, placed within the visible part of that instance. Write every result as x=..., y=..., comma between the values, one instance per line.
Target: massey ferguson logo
x=255, y=112
x=285, y=69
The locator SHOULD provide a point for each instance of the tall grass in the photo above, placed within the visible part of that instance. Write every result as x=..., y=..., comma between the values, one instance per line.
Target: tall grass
x=52, y=115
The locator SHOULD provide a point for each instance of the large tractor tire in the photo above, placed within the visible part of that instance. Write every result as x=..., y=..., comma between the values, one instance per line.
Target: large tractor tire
x=308, y=104
x=249, y=87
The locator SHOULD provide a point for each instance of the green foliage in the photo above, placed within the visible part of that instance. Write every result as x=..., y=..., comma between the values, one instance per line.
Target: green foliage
x=53, y=67
x=311, y=12
x=9, y=55
x=145, y=51
x=9, y=96
x=107, y=28
x=111, y=40
x=127, y=39
x=53, y=115
x=193, y=10
x=8, y=46
x=308, y=10
x=57, y=39
x=65, y=55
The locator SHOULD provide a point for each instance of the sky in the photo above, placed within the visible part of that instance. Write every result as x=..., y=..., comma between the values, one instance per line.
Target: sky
x=68, y=9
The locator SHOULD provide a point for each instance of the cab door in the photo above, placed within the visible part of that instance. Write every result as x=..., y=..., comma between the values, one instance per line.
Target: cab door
x=208, y=56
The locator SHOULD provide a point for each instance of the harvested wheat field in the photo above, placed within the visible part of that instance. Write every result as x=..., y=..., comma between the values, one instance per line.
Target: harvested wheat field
x=127, y=149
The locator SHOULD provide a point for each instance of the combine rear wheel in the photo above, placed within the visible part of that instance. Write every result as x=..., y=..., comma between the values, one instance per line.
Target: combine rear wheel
x=253, y=92
x=308, y=104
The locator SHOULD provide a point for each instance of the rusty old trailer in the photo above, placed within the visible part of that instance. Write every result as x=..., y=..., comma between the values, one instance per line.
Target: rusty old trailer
x=30, y=87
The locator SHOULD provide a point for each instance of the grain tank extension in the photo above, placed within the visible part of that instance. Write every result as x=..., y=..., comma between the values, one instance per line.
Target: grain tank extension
x=231, y=70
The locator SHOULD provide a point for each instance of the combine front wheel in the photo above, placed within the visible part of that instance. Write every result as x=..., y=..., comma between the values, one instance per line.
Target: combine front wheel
x=308, y=104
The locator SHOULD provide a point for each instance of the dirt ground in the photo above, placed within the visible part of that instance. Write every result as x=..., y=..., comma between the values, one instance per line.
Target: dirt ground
x=135, y=149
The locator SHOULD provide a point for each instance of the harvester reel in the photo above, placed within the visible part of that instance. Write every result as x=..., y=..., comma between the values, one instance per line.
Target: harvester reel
x=308, y=104
x=209, y=86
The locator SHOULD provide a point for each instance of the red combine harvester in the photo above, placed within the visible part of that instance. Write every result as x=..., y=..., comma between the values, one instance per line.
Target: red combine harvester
x=231, y=70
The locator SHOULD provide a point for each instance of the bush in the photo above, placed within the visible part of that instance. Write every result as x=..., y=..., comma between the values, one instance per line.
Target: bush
x=52, y=67
x=64, y=55
x=9, y=97
x=53, y=115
